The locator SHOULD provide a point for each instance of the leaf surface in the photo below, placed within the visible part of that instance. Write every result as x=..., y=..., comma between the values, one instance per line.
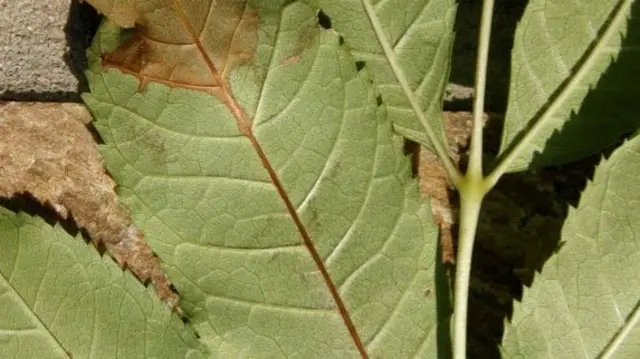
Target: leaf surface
x=60, y=299
x=247, y=216
x=553, y=42
x=588, y=291
x=421, y=33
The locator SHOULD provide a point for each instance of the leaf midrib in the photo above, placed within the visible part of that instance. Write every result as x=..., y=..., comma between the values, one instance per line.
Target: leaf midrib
x=245, y=127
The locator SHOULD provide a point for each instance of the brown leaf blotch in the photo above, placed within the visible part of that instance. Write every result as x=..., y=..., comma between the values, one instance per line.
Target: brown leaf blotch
x=190, y=44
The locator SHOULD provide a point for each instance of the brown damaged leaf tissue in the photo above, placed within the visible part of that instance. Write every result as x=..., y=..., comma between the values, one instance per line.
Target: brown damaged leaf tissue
x=47, y=152
x=168, y=49
x=434, y=182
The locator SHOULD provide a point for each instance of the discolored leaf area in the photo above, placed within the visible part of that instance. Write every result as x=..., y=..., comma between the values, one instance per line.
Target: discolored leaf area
x=421, y=34
x=60, y=299
x=171, y=37
x=47, y=152
x=277, y=195
x=585, y=301
x=435, y=184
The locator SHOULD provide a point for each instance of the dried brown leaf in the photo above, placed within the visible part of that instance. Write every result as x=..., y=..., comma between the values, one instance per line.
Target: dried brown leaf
x=47, y=151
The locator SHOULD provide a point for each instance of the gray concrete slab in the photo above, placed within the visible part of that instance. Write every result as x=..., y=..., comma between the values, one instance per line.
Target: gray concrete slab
x=42, y=46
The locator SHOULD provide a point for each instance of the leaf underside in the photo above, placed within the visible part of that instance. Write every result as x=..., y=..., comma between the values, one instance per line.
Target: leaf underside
x=421, y=33
x=194, y=182
x=587, y=292
x=60, y=299
x=553, y=40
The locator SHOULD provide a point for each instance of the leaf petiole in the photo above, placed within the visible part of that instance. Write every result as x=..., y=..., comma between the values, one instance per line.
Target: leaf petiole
x=472, y=188
x=620, y=337
x=475, y=151
x=472, y=192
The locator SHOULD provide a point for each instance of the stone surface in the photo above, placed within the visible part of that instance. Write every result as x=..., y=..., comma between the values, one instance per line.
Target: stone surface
x=42, y=49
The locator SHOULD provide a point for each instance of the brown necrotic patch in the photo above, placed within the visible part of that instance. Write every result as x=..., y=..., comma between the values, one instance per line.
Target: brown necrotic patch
x=187, y=44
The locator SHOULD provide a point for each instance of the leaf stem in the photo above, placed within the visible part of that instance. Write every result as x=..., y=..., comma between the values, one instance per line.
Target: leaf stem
x=475, y=151
x=619, y=338
x=471, y=194
x=472, y=190
x=619, y=15
x=450, y=167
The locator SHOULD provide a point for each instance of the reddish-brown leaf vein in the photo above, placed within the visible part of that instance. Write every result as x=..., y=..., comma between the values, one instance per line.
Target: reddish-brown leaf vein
x=244, y=125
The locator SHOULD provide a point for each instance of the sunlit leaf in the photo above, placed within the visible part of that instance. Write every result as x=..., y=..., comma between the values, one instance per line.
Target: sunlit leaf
x=193, y=165
x=421, y=33
x=554, y=41
x=60, y=299
x=588, y=292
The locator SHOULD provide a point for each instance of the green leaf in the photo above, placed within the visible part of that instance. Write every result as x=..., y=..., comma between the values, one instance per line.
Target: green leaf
x=199, y=189
x=554, y=42
x=421, y=33
x=60, y=299
x=588, y=292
